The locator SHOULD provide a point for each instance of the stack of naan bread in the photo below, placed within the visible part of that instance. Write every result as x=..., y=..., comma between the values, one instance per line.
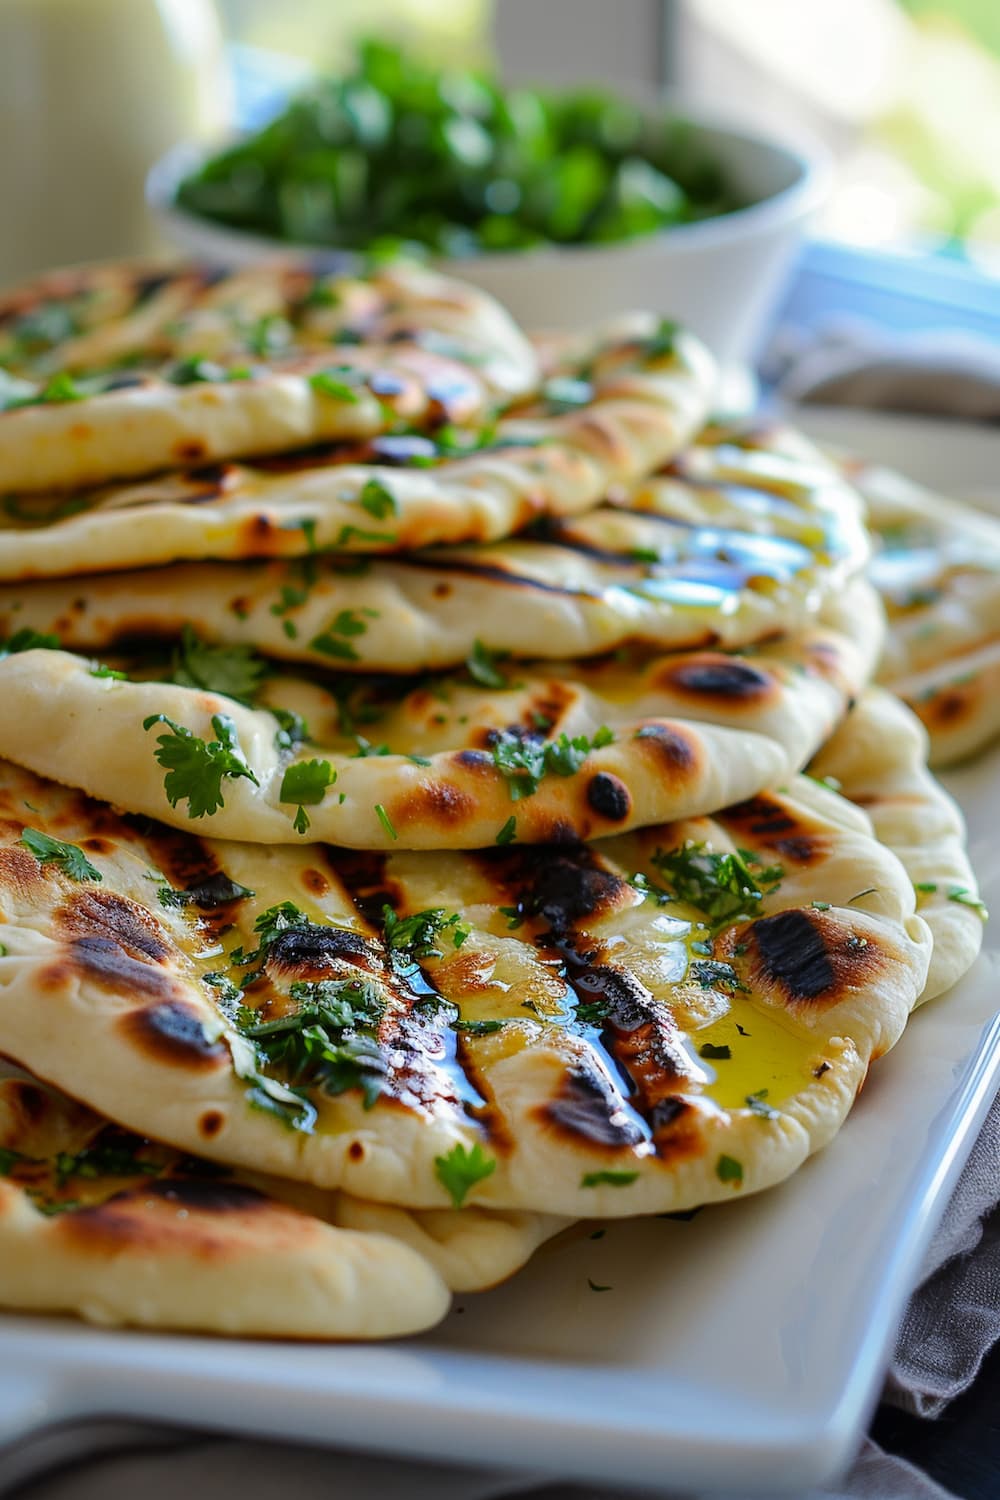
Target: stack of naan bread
x=406, y=844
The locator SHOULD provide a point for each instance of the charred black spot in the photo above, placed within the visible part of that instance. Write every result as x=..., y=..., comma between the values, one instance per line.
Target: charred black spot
x=762, y=816
x=801, y=850
x=793, y=953
x=666, y=1114
x=609, y=797
x=173, y=1032
x=124, y=382
x=102, y=960
x=217, y=890
x=315, y=948
x=626, y=1002
x=146, y=286
x=588, y=1107
x=671, y=744
x=565, y=888
x=92, y=915
x=473, y=760
x=722, y=678
x=206, y=1196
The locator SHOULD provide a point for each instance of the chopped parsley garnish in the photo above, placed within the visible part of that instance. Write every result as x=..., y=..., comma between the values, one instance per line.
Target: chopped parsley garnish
x=460, y=1170
x=925, y=887
x=508, y=832
x=728, y=1169
x=69, y=857
x=562, y=393
x=338, y=382
x=715, y=1053
x=596, y=1286
x=524, y=759
x=726, y=887
x=607, y=1179
x=98, y=669
x=195, y=767
x=663, y=341
x=650, y=891
x=757, y=1105
x=377, y=500
x=713, y=974
x=333, y=641
x=481, y=665
x=478, y=1028
x=30, y=640
x=236, y=671
x=104, y=1159
x=306, y=782
x=386, y=821
x=964, y=897
x=415, y=937
x=292, y=729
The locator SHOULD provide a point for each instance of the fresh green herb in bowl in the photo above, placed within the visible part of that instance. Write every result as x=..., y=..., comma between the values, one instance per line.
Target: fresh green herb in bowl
x=400, y=151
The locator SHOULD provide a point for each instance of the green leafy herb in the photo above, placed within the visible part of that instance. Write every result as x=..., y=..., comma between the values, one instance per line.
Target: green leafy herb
x=292, y=729
x=562, y=394
x=386, y=821
x=715, y=1053
x=663, y=341
x=377, y=500
x=607, y=1179
x=195, y=767
x=728, y=1169
x=461, y=1169
x=726, y=887
x=478, y=1028
x=925, y=887
x=713, y=974
x=508, y=832
x=596, y=1286
x=30, y=640
x=69, y=857
x=236, y=671
x=964, y=897
x=524, y=759
x=333, y=641
x=98, y=669
x=105, y=1159
x=306, y=782
x=416, y=936
x=757, y=1105
x=482, y=666
x=339, y=382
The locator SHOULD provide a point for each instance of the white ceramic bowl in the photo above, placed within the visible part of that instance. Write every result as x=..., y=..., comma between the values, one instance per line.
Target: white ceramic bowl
x=721, y=277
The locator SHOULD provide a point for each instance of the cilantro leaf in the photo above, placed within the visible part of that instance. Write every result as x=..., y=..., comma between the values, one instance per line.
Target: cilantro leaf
x=195, y=767
x=69, y=857
x=596, y=1286
x=607, y=1179
x=757, y=1105
x=333, y=640
x=460, y=1170
x=723, y=886
x=482, y=666
x=378, y=500
x=338, y=382
x=236, y=671
x=292, y=729
x=306, y=782
x=728, y=1169
x=963, y=897
x=30, y=640
x=524, y=758
x=508, y=832
x=562, y=393
x=415, y=936
x=715, y=1053
x=386, y=821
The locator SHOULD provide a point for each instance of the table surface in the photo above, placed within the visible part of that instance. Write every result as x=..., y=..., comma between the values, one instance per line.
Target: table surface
x=961, y=1450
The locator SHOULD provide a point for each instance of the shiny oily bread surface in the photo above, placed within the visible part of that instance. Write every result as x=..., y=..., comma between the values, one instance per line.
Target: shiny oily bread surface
x=572, y=1038
x=548, y=752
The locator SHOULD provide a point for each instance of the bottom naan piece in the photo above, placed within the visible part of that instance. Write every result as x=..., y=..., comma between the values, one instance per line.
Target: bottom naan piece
x=640, y=1025
x=120, y=1229
x=879, y=760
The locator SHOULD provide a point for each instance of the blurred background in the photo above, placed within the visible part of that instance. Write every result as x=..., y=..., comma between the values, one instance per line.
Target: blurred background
x=903, y=94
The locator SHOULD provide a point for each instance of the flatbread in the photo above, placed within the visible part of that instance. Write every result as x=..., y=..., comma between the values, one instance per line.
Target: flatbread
x=642, y=400
x=118, y=1229
x=741, y=543
x=878, y=759
x=555, y=751
x=937, y=567
x=184, y=381
x=539, y=1033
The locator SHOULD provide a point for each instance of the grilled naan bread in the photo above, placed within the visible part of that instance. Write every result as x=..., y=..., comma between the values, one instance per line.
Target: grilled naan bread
x=99, y=1222
x=937, y=567
x=645, y=394
x=735, y=544
x=635, y=1026
x=549, y=752
x=120, y=371
x=878, y=758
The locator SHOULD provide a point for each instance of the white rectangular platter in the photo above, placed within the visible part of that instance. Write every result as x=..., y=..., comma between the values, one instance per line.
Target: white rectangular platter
x=740, y=1350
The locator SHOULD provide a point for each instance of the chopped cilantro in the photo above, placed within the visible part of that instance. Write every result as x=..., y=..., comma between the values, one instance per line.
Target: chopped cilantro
x=508, y=832
x=478, y=1028
x=292, y=729
x=377, y=500
x=30, y=640
x=481, y=665
x=98, y=669
x=713, y=974
x=104, y=1159
x=726, y=887
x=460, y=1170
x=964, y=897
x=596, y=1286
x=524, y=759
x=333, y=640
x=386, y=821
x=663, y=341
x=9, y=1159
x=306, y=782
x=415, y=936
x=267, y=928
x=69, y=857
x=562, y=393
x=926, y=887
x=236, y=671
x=715, y=1053
x=196, y=767
x=338, y=382
x=728, y=1169
x=820, y=905
x=607, y=1179
x=757, y=1105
